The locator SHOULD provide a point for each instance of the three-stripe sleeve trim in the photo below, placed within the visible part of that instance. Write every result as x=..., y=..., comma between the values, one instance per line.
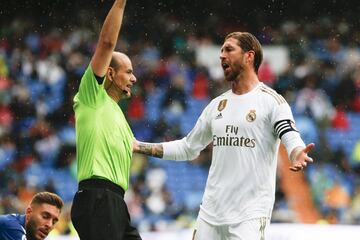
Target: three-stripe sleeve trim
x=279, y=99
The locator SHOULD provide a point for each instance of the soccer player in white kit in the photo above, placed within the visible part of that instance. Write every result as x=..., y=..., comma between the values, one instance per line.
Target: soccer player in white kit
x=245, y=126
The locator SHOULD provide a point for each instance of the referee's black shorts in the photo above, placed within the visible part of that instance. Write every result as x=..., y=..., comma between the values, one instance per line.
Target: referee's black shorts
x=99, y=212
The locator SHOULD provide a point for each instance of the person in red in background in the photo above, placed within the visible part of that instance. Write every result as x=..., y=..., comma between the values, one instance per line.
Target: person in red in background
x=136, y=108
x=340, y=120
x=200, y=88
x=266, y=74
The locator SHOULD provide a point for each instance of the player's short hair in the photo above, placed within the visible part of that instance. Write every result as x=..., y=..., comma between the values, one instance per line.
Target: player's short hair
x=248, y=42
x=49, y=198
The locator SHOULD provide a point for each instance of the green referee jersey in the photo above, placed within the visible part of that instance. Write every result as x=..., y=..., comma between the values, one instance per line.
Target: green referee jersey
x=103, y=136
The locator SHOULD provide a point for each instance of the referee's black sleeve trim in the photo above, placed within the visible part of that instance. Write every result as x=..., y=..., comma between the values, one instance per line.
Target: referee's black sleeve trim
x=283, y=126
x=100, y=80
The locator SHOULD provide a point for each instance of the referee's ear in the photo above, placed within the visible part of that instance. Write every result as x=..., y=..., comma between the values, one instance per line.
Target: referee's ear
x=110, y=73
x=109, y=78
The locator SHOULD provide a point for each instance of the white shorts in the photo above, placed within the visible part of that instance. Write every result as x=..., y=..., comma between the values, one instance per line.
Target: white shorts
x=254, y=229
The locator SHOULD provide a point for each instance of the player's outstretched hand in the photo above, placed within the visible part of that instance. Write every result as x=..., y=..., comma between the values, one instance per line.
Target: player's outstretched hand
x=301, y=158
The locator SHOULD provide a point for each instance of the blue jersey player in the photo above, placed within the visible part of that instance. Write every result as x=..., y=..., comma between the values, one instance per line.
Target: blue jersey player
x=12, y=226
x=39, y=219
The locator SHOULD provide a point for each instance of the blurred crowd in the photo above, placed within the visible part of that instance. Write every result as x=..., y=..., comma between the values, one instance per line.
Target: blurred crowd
x=41, y=67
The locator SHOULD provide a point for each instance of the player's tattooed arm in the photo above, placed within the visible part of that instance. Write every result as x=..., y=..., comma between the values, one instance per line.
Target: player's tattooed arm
x=151, y=149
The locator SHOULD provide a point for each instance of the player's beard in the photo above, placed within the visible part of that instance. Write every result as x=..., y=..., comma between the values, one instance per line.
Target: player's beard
x=31, y=230
x=234, y=73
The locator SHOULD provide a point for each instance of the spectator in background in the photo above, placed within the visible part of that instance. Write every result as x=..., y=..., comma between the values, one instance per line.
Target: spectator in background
x=339, y=120
x=355, y=104
x=174, y=102
x=200, y=89
x=39, y=219
x=337, y=200
x=313, y=101
x=354, y=210
x=266, y=74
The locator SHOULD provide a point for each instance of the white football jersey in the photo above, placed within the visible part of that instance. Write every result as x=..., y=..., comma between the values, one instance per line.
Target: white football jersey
x=245, y=132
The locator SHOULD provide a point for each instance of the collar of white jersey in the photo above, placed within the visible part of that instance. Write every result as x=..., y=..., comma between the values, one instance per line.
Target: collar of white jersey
x=246, y=94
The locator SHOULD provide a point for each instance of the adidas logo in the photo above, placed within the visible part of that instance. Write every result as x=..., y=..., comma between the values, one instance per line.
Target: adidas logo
x=219, y=116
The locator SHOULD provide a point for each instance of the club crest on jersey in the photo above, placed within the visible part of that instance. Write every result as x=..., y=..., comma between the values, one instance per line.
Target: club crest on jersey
x=222, y=105
x=251, y=116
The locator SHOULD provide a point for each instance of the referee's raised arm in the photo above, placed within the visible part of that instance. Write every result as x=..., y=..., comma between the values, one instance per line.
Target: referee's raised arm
x=108, y=38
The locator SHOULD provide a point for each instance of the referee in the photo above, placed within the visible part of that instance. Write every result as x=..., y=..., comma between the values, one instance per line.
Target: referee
x=104, y=139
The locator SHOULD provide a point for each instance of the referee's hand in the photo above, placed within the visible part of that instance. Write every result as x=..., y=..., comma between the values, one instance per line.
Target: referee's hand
x=301, y=158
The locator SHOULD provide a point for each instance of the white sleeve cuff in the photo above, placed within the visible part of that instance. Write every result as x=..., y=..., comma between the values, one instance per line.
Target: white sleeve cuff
x=172, y=151
x=291, y=140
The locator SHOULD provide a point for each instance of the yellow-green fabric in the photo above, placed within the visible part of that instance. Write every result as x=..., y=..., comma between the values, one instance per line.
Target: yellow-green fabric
x=103, y=136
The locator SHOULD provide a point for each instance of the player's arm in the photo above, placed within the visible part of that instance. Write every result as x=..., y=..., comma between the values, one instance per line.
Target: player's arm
x=290, y=137
x=108, y=38
x=179, y=150
x=284, y=127
x=187, y=148
x=150, y=149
